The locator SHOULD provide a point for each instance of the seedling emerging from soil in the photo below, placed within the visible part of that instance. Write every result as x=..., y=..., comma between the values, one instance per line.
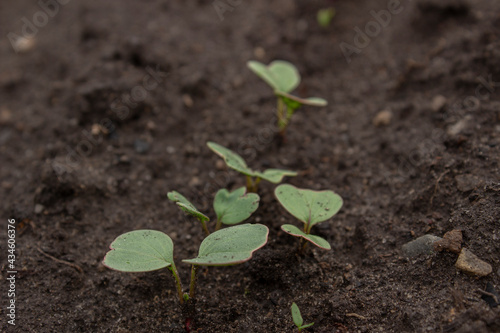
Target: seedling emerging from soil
x=297, y=318
x=283, y=77
x=231, y=207
x=310, y=207
x=150, y=250
x=236, y=162
x=325, y=16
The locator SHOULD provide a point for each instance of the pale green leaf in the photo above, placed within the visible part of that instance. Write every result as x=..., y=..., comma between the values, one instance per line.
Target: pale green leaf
x=280, y=75
x=275, y=176
x=296, y=316
x=140, y=251
x=235, y=207
x=309, y=206
x=316, y=240
x=233, y=160
x=186, y=206
x=231, y=246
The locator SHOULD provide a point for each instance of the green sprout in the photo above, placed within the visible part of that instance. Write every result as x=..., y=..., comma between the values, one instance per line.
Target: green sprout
x=283, y=77
x=297, y=318
x=236, y=162
x=310, y=207
x=230, y=207
x=150, y=250
x=325, y=16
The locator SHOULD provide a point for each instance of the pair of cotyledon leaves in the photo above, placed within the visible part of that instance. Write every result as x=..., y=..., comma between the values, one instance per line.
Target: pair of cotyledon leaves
x=236, y=162
x=230, y=207
x=149, y=250
x=283, y=77
x=310, y=207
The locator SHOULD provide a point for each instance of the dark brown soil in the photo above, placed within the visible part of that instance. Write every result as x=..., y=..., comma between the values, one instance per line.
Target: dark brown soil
x=426, y=171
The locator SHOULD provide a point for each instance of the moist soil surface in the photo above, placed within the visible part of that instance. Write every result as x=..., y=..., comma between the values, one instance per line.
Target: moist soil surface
x=110, y=107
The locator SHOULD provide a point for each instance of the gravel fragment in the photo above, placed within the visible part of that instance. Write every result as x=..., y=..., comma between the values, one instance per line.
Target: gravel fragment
x=420, y=246
x=469, y=263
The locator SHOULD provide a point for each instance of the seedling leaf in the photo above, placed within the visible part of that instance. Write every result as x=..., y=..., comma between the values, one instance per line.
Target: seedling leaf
x=309, y=206
x=295, y=102
x=230, y=246
x=279, y=74
x=316, y=240
x=275, y=176
x=297, y=317
x=140, y=251
x=186, y=206
x=233, y=160
x=235, y=207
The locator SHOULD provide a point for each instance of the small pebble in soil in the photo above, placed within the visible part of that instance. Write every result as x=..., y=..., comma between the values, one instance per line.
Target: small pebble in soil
x=39, y=208
x=141, y=146
x=171, y=150
x=469, y=263
x=420, y=246
x=438, y=103
x=188, y=101
x=383, y=118
x=466, y=183
x=452, y=242
x=458, y=127
x=259, y=53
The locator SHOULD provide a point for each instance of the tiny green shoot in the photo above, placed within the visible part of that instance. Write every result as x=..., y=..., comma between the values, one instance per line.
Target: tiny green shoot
x=297, y=318
x=325, y=16
x=283, y=77
x=236, y=162
x=150, y=250
x=189, y=208
x=310, y=207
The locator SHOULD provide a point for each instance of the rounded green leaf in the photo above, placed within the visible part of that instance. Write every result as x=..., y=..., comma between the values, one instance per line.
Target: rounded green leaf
x=280, y=75
x=235, y=207
x=296, y=316
x=140, y=251
x=186, y=206
x=316, y=240
x=231, y=246
x=275, y=176
x=309, y=206
x=233, y=160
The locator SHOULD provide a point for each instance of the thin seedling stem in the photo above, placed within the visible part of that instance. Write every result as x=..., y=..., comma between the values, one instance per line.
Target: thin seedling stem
x=192, y=285
x=178, y=283
x=204, y=226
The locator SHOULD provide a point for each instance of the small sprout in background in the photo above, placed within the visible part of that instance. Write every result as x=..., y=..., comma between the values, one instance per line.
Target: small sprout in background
x=189, y=208
x=297, y=318
x=310, y=207
x=325, y=16
x=234, y=207
x=150, y=250
x=283, y=77
x=236, y=162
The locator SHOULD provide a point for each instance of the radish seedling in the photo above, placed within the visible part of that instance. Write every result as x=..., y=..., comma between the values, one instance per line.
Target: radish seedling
x=310, y=207
x=297, y=318
x=230, y=207
x=150, y=250
x=283, y=77
x=236, y=162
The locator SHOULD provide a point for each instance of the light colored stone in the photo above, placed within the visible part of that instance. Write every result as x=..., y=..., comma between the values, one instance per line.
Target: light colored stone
x=471, y=264
x=438, y=103
x=383, y=118
x=467, y=182
x=420, y=246
x=459, y=126
x=39, y=208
